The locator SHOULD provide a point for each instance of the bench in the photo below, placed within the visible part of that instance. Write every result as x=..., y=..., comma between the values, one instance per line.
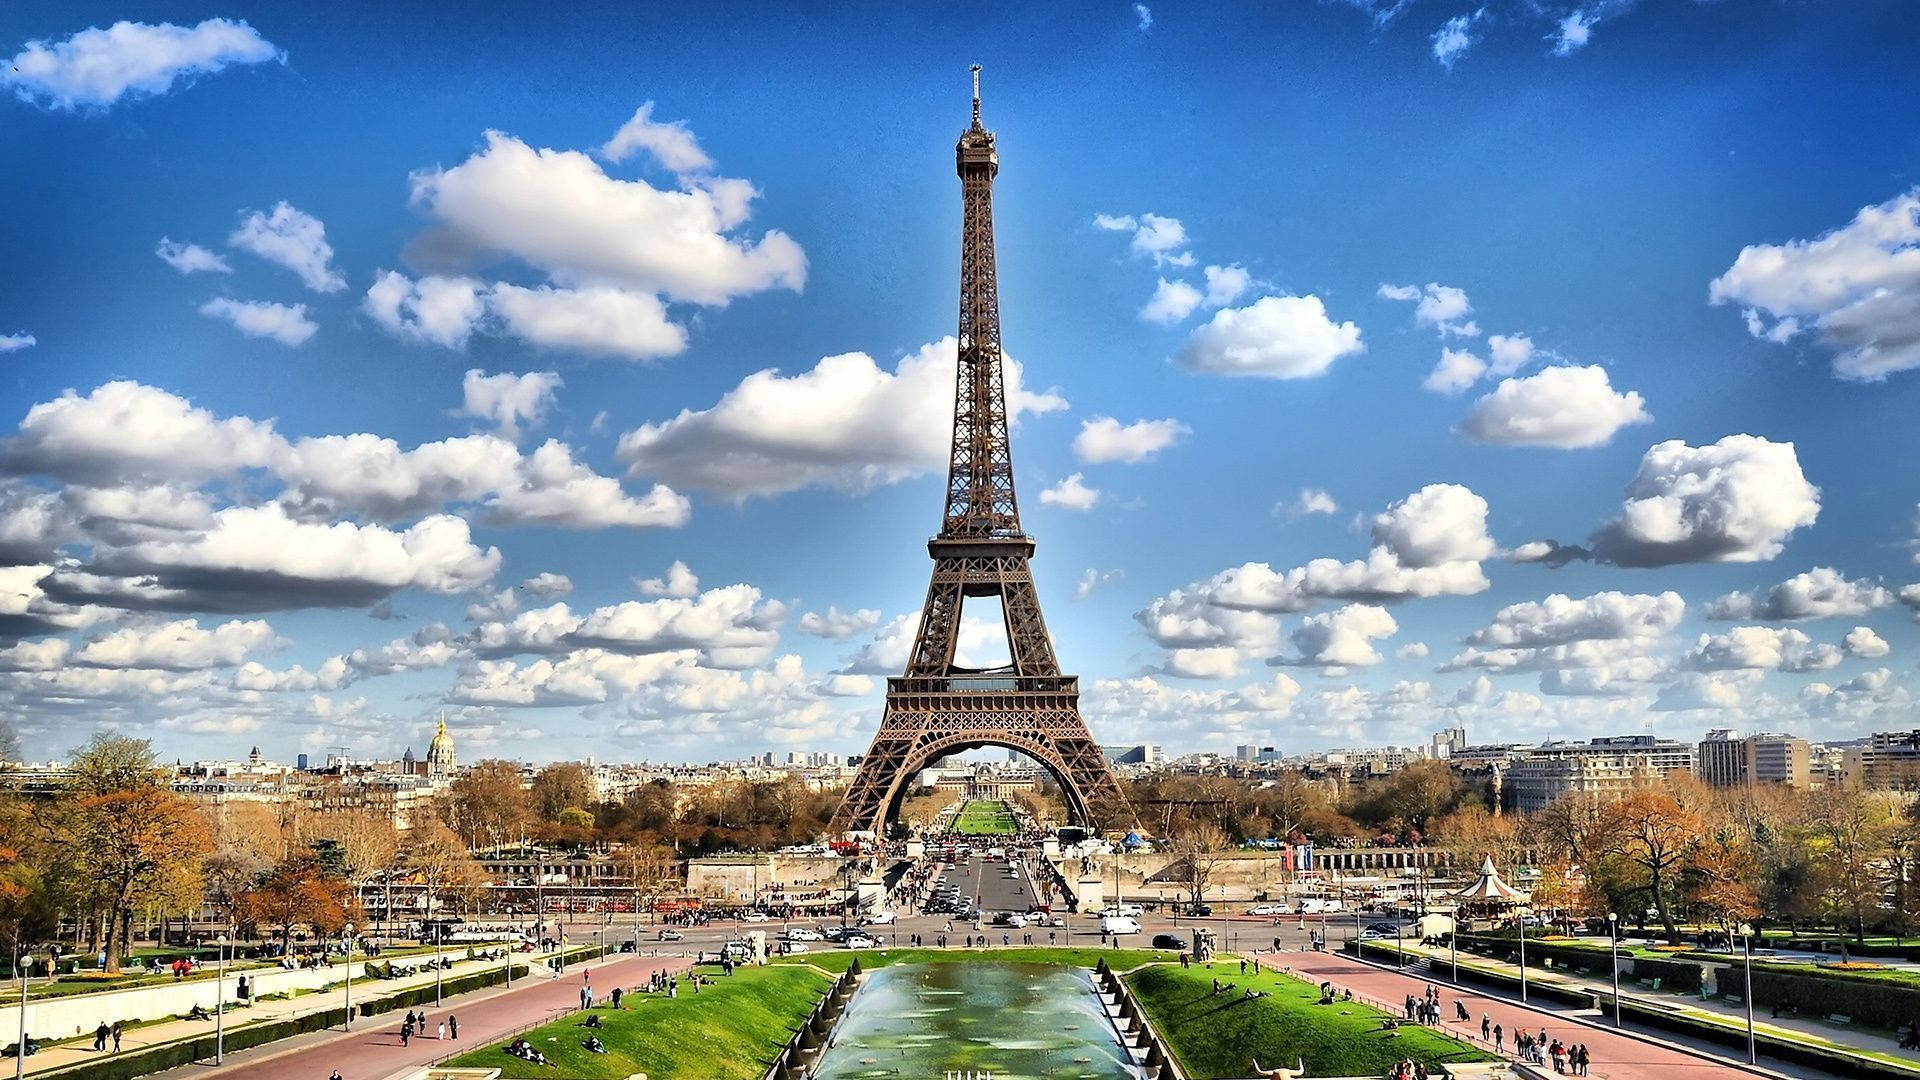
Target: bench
x=1736, y=999
x=1839, y=1018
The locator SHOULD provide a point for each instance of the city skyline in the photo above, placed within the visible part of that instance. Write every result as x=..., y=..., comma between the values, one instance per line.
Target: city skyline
x=1543, y=372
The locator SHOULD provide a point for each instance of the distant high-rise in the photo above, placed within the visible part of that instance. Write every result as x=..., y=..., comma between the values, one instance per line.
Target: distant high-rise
x=1727, y=760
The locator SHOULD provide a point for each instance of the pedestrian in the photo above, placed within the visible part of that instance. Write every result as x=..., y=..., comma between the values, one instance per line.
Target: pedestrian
x=440, y=1032
x=1582, y=1058
x=1486, y=1027
x=1243, y=966
x=118, y=1029
x=100, y=1037
x=406, y=1035
x=616, y=997
x=1499, y=1038
x=334, y=1075
x=453, y=1026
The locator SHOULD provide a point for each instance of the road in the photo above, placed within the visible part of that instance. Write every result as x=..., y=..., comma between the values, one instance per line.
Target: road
x=372, y=1051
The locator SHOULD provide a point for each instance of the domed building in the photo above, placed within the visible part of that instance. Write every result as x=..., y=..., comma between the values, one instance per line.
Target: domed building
x=440, y=760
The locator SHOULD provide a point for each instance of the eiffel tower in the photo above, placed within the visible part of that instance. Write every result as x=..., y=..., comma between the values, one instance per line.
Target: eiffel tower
x=938, y=707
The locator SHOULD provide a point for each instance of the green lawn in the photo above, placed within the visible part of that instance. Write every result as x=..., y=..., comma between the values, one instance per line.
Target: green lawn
x=1220, y=1035
x=729, y=1031
x=837, y=960
x=983, y=817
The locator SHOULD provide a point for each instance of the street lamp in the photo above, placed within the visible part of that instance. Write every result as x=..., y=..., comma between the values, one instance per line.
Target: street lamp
x=1746, y=941
x=220, y=1004
x=1613, y=931
x=348, y=931
x=439, y=938
x=1453, y=943
x=1523, y=957
x=20, y=957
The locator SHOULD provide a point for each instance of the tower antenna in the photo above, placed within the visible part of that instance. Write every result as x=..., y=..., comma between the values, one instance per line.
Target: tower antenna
x=976, y=97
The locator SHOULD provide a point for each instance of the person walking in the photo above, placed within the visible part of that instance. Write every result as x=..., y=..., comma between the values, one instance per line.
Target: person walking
x=453, y=1026
x=616, y=997
x=100, y=1037
x=119, y=1029
x=1486, y=1028
x=1499, y=1039
x=440, y=1032
x=406, y=1034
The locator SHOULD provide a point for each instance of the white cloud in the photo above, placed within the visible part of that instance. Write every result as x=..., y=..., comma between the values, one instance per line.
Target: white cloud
x=1454, y=38
x=178, y=646
x=17, y=341
x=1564, y=407
x=1572, y=32
x=558, y=212
x=1071, y=493
x=981, y=645
x=1861, y=642
x=435, y=309
x=1275, y=337
x=730, y=627
x=1760, y=648
x=124, y=432
x=285, y=323
x=1819, y=593
x=1736, y=500
x=509, y=400
x=547, y=583
x=1560, y=619
x=1413, y=650
x=1145, y=708
x=1343, y=637
x=292, y=238
x=1715, y=691
x=1225, y=284
x=1154, y=237
x=847, y=423
x=95, y=68
x=190, y=258
x=672, y=144
x=1104, y=439
x=679, y=582
x=838, y=625
x=1144, y=14
x=554, y=489
x=1457, y=370
x=1309, y=501
x=1857, y=288
x=597, y=320
x=1092, y=579
x=1508, y=353
x=1171, y=302
x=1442, y=307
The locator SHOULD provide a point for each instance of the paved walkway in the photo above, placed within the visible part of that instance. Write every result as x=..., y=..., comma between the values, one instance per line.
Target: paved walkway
x=1616, y=1055
x=372, y=1050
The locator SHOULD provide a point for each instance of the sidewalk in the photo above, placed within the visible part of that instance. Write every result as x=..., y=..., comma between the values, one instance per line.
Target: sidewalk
x=81, y=1051
x=1806, y=1028
x=1617, y=1055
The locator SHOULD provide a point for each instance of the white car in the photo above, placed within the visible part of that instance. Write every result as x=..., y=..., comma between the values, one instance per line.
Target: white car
x=754, y=916
x=880, y=918
x=1119, y=924
x=859, y=943
x=801, y=933
x=1266, y=909
x=1129, y=911
x=795, y=947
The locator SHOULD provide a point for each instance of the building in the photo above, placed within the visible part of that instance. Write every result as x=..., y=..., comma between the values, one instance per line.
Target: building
x=1888, y=759
x=1144, y=754
x=1607, y=766
x=1727, y=760
x=441, y=763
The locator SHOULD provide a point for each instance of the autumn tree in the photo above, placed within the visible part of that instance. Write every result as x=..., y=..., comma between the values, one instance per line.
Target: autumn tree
x=1650, y=836
x=487, y=805
x=1851, y=832
x=127, y=837
x=295, y=893
x=561, y=786
x=439, y=862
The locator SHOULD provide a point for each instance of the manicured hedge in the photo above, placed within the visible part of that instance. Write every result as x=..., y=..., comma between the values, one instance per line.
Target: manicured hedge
x=1837, y=1062
x=1681, y=976
x=1579, y=999
x=1876, y=1004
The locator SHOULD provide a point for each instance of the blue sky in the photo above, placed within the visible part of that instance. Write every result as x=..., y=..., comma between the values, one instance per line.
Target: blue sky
x=1664, y=276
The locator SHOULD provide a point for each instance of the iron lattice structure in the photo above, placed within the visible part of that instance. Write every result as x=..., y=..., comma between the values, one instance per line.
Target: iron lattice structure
x=938, y=707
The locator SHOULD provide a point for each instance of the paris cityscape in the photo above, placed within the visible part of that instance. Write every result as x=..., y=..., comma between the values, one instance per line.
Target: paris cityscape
x=465, y=482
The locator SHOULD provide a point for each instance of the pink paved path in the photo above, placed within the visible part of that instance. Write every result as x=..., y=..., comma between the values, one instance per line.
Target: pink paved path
x=1615, y=1056
x=372, y=1051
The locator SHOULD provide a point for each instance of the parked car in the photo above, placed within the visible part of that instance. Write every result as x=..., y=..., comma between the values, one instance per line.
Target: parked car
x=880, y=918
x=1119, y=924
x=1198, y=910
x=802, y=933
x=1130, y=911
x=672, y=935
x=754, y=916
x=1169, y=941
x=1266, y=909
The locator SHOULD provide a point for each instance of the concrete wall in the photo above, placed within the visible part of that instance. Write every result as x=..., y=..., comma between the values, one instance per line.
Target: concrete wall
x=734, y=877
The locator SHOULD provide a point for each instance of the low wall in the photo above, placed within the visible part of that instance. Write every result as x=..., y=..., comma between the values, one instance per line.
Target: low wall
x=735, y=877
x=77, y=1014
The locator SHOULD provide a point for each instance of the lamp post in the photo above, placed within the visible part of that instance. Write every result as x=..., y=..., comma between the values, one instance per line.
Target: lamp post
x=1746, y=942
x=348, y=931
x=1613, y=931
x=20, y=957
x=439, y=937
x=1522, y=919
x=220, y=1003
x=1453, y=944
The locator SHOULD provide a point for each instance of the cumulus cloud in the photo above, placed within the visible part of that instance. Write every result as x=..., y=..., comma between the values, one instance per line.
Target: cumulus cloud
x=435, y=309
x=1454, y=38
x=1341, y=638
x=1819, y=593
x=671, y=143
x=551, y=488
x=1855, y=289
x=292, y=238
x=1309, y=501
x=1442, y=307
x=1093, y=579
x=177, y=646
x=597, y=320
x=1413, y=650
x=125, y=432
x=1760, y=648
x=837, y=625
x=1863, y=643
x=1275, y=337
x=1104, y=439
x=1563, y=407
x=1154, y=237
x=1560, y=619
x=679, y=581
x=1736, y=500
x=1071, y=493
x=1171, y=302
x=981, y=645
x=508, y=400
x=16, y=341
x=285, y=323
x=847, y=423
x=1457, y=370
x=95, y=68
x=1225, y=284
x=190, y=258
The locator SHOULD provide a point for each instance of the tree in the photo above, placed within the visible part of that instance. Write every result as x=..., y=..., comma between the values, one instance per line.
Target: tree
x=1199, y=845
x=560, y=786
x=294, y=893
x=128, y=838
x=1651, y=835
x=487, y=805
x=440, y=863
x=1851, y=832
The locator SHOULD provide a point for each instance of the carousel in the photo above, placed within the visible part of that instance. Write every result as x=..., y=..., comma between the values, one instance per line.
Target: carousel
x=1488, y=897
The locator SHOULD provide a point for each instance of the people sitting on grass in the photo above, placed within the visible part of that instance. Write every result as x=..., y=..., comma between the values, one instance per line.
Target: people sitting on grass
x=593, y=1045
x=592, y=1021
x=199, y=1012
x=525, y=1051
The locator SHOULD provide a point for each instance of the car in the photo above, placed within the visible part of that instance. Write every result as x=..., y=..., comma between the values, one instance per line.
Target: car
x=672, y=935
x=754, y=916
x=1130, y=911
x=1169, y=941
x=1198, y=910
x=802, y=933
x=1387, y=929
x=1374, y=935
x=861, y=942
x=793, y=946
x=1119, y=924
x=880, y=918
x=1266, y=909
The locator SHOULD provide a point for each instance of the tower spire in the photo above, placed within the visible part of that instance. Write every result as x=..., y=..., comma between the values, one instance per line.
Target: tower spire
x=976, y=97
